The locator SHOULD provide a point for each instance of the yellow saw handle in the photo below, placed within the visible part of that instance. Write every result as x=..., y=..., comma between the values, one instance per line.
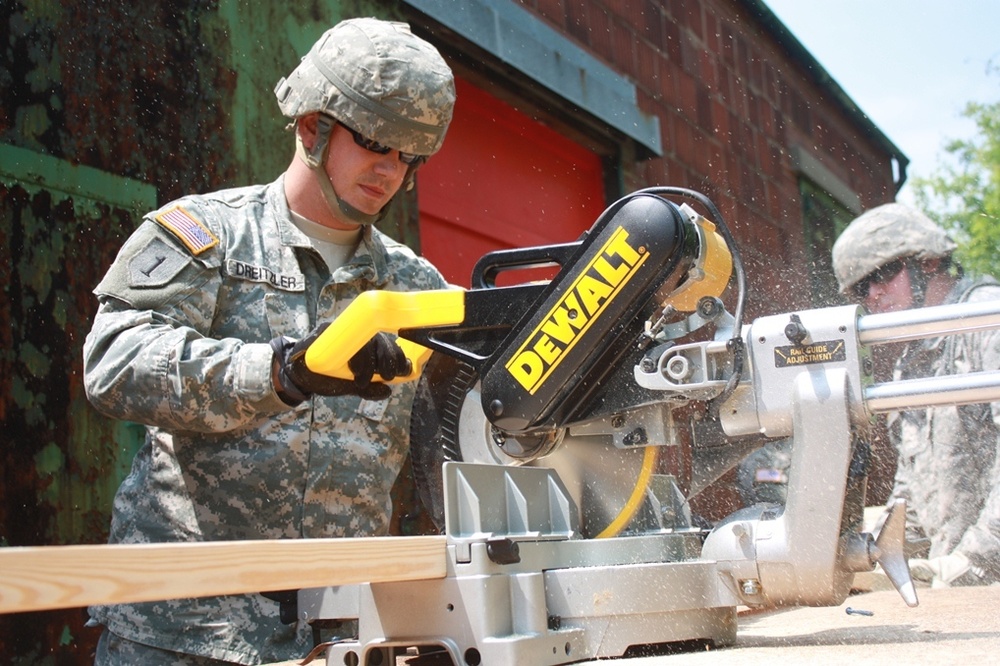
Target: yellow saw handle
x=383, y=311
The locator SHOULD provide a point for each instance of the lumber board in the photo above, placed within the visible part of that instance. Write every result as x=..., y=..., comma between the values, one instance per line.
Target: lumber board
x=47, y=577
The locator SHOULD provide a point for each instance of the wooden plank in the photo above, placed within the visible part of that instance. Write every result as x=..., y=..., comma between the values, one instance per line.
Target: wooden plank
x=47, y=577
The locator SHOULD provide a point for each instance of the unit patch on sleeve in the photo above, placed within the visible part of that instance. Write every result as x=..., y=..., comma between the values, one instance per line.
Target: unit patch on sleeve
x=195, y=235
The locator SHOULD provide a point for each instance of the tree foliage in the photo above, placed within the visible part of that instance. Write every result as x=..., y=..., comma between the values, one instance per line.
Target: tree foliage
x=964, y=195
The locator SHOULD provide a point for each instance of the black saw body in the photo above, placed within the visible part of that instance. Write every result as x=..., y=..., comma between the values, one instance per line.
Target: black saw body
x=540, y=357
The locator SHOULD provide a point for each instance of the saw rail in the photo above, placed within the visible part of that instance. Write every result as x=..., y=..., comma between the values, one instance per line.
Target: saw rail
x=931, y=322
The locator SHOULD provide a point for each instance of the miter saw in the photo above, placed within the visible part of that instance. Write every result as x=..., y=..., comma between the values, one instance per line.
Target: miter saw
x=538, y=423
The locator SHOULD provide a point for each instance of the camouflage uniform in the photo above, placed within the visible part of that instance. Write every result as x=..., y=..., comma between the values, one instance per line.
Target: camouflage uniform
x=180, y=343
x=949, y=457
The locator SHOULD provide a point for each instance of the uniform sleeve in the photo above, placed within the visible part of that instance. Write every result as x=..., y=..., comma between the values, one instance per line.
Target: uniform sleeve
x=901, y=490
x=148, y=357
x=981, y=542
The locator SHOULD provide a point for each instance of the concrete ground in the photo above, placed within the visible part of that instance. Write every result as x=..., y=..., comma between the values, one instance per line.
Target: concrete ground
x=950, y=626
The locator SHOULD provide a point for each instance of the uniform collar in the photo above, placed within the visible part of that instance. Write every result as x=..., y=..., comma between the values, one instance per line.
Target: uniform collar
x=957, y=290
x=288, y=233
x=371, y=255
x=369, y=260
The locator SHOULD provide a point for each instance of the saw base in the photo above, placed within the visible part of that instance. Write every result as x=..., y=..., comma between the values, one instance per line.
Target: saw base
x=522, y=588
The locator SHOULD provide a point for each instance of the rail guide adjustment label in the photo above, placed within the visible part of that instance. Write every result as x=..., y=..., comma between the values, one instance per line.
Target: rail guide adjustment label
x=815, y=352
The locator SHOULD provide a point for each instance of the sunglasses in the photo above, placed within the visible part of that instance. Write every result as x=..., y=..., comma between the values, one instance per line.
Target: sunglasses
x=381, y=149
x=880, y=276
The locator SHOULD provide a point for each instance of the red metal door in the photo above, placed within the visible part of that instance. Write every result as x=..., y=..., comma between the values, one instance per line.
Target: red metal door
x=502, y=180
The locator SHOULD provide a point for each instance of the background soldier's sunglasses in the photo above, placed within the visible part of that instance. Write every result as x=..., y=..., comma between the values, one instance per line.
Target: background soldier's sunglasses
x=881, y=276
x=376, y=147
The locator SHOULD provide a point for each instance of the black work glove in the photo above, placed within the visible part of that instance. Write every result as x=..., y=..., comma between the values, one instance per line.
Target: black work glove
x=296, y=382
x=288, y=604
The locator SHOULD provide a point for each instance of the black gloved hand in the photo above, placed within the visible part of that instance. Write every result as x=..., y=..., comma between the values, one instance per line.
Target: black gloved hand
x=288, y=604
x=295, y=382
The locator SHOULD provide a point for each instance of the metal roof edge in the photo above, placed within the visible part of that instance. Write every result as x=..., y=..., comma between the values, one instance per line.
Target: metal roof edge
x=523, y=41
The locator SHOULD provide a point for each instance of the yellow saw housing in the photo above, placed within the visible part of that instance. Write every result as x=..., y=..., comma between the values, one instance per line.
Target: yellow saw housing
x=711, y=273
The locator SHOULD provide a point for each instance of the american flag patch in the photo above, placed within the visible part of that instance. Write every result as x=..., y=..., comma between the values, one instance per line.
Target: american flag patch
x=189, y=230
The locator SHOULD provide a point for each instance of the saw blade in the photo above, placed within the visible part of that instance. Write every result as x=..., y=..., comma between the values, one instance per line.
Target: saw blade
x=448, y=423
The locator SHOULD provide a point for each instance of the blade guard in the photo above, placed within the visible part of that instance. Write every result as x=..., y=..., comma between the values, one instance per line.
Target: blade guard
x=383, y=311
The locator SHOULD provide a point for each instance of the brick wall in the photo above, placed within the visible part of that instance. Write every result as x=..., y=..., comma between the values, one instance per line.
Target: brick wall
x=731, y=103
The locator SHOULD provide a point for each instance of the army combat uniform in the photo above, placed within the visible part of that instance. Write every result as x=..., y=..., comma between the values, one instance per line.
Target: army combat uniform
x=949, y=457
x=180, y=344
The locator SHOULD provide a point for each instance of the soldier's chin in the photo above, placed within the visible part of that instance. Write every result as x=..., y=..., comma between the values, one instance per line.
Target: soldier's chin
x=368, y=203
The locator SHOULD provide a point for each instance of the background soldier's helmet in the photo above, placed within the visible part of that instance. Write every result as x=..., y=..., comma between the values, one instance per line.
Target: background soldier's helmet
x=883, y=235
x=379, y=79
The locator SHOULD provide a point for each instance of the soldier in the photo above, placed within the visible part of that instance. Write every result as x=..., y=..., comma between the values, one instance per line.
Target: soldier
x=894, y=258
x=203, y=324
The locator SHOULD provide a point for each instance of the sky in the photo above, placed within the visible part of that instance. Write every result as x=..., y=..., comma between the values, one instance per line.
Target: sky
x=910, y=65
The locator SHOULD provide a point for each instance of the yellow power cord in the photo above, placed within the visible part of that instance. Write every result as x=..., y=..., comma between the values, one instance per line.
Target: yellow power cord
x=635, y=500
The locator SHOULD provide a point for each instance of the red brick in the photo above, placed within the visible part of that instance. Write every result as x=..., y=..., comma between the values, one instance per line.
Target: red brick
x=727, y=43
x=687, y=88
x=624, y=47
x=578, y=19
x=552, y=10
x=647, y=72
x=652, y=23
x=601, y=37
x=720, y=119
x=753, y=108
x=711, y=71
x=672, y=40
x=712, y=38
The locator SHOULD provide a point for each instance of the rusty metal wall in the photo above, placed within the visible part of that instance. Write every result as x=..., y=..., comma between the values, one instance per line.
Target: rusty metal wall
x=109, y=108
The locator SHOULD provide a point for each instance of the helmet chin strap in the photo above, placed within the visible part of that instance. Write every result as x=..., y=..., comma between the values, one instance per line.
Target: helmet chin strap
x=918, y=282
x=315, y=159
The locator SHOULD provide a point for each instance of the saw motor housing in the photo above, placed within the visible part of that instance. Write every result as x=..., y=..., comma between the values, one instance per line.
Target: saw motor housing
x=588, y=318
x=543, y=352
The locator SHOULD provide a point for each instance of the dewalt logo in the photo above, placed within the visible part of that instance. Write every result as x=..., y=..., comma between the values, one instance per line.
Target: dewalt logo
x=581, y=305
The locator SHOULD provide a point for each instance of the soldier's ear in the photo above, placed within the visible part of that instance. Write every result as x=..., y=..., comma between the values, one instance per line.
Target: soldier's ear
x=306, y=126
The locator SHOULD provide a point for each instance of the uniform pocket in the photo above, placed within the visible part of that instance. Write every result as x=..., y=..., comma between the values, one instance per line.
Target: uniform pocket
x=286, y=314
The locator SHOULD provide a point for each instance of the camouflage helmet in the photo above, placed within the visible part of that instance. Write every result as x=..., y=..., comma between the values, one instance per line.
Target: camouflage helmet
x=883, y=235
x=379, y=79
